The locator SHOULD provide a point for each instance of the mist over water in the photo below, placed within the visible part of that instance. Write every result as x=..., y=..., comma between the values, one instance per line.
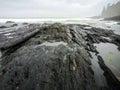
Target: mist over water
x=99, y=23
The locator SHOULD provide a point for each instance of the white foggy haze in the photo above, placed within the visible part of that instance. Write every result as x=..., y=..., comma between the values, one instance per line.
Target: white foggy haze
x=51, y=8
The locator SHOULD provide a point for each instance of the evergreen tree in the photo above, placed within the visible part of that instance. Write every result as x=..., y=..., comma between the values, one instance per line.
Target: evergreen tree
x=111, y=10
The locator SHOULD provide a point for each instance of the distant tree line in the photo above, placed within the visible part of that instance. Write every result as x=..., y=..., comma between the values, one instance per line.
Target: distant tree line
x=111, y=10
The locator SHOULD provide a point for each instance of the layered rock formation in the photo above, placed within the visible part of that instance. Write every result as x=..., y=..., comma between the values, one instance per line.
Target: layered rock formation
x=55, y=57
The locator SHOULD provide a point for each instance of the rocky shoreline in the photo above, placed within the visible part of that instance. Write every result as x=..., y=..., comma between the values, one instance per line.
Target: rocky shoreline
x=115, y=18
x=55, y=57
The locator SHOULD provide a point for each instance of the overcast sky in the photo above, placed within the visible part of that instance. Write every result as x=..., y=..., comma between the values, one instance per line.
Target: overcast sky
x=51, y=8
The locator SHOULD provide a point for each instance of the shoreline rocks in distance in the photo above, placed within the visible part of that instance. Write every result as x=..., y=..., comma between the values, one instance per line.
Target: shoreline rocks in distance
x=10, y=22
x=115, y=18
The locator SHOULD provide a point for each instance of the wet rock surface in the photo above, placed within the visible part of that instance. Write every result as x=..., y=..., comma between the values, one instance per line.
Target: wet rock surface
x=55, y=57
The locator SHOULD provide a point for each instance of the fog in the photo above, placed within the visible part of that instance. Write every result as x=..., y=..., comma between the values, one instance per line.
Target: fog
x=51, y=8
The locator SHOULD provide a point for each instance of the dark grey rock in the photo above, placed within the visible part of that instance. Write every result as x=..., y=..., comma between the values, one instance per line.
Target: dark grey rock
x=55, y=57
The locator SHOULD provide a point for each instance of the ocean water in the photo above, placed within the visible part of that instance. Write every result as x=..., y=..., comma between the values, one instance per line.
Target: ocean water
x=100, y=23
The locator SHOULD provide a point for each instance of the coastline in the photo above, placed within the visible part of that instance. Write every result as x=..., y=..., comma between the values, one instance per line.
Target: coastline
x=49, y=56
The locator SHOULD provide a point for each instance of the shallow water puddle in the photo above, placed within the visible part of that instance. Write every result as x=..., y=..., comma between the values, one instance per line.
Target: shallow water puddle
x=53, y=44
x=7, y=34
x=111, y=57
x=10, y=37
x=98, y=72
